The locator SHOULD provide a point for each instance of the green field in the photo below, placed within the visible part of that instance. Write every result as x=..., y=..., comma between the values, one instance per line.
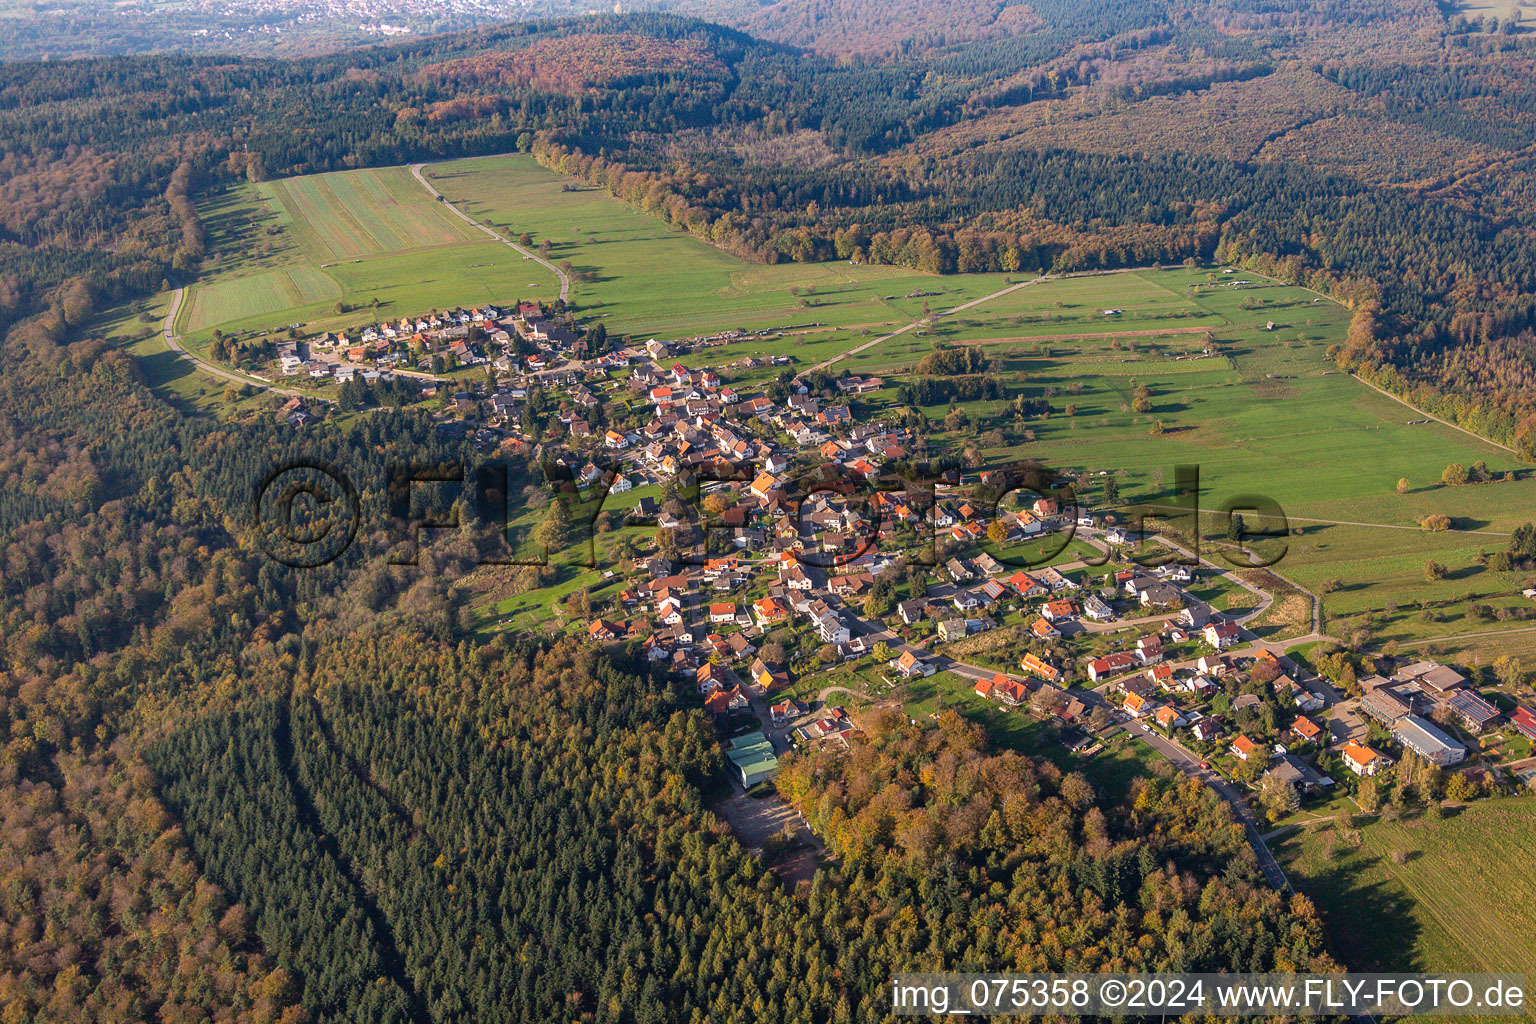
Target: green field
x=1267, y=414
x=270, y=291
x=1422, y=895
x=646, y=279
x=349, y=214
x=289, y=251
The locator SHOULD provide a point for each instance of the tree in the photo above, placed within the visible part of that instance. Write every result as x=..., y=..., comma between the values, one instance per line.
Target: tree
x=1523, y=543
x=1235, y=528
x=1459, y=788
x=1278, y=797
x=1403, y=486
x=997, y=533
x=1254, y=768
x=1436, y=522
x=882, y=653
x=1510, y=671
x=1368, y=796
x=1454, y=475
x=1433, y=571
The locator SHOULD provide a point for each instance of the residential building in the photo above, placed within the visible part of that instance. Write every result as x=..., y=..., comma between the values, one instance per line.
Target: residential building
x=1363, y=760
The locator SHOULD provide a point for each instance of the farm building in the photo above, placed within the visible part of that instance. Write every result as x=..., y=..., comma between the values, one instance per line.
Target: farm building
x=752, y=756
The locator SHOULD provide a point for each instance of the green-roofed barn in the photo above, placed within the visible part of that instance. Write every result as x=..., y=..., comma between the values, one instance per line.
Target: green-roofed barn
x=752, y=756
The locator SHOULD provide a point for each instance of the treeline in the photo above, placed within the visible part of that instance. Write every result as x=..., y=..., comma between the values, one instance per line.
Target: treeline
x=939, y=390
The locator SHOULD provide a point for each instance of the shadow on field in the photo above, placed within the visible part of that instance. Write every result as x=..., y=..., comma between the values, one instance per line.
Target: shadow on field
x=1369, y=921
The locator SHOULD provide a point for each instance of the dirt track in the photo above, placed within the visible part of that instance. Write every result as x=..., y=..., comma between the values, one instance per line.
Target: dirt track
x=1084, y=337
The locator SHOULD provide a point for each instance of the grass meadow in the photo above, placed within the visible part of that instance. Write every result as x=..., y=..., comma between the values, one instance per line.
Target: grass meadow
x=646, y=279
x=1421, y=895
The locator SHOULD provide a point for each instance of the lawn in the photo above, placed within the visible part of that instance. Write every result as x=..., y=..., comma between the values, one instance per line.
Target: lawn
x=1422, y=895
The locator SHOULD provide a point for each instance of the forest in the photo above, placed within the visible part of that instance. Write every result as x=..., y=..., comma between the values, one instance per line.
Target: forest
x=237, y=791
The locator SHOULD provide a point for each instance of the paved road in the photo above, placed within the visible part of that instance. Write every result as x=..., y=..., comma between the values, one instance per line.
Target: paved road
x=173, y=342
x=565, y=282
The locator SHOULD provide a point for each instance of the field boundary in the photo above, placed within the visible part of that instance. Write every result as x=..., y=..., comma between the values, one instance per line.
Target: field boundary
x=1085, y=336
x=565, y=282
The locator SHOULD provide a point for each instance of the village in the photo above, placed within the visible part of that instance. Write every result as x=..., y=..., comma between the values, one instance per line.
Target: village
x=794, y=533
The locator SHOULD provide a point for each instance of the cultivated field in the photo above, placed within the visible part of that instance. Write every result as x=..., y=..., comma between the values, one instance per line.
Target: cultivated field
x=289, y=251
x=364, y=213
x=1422, y=895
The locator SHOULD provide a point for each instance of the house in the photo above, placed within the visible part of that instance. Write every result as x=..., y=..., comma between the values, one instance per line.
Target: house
x=1207, y=729
x=769, y=611
x=1295, y=772
x=1136, y=705
x=1363, y=760
x=1221, y=635
x=1472, y=710
x=1307, y=730
x=909, y=665
x=911, y=612
x=952, y=629
x=765, y=485
x=1160, y=595
x=1057, y=611
x=1043, y=630
x=1428, y=741
x=1524, y=720
x=1303, y=700
x=1039, y=669
x=1169, y=718
x=1111, y=665
x=1214, y=666
x=1026, y=585
x=829, y=625
x=965, y=600
x=1096, y=609
x=602, y=630
x=1243, y=748
x=723, y=702
x=1149, y=650
x=784, y=712
x=723, y=612
x=767, y=677
x=709, y=678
